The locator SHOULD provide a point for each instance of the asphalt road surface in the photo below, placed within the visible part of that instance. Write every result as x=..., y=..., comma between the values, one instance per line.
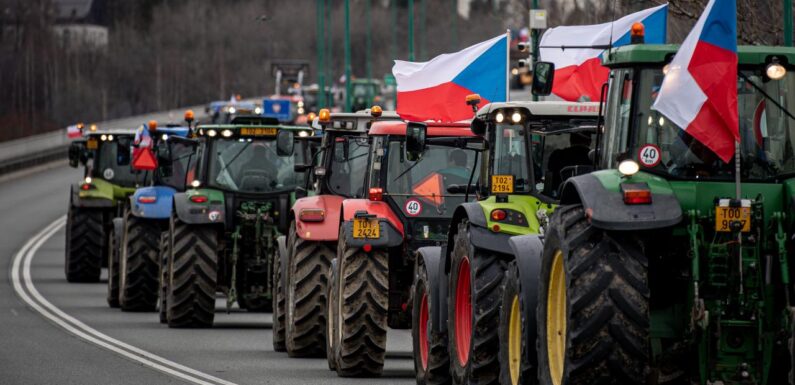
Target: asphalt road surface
x=54, y=332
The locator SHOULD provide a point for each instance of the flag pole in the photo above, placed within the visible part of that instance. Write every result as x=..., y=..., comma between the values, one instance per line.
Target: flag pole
x=738, y=190
x=508, y=65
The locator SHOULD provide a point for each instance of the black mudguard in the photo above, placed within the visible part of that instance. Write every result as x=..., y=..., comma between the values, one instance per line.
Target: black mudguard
x=198, y=214
x=437, y=283
x=528, y=250
x=482, y=237
x=390, y=237
x=608, y=211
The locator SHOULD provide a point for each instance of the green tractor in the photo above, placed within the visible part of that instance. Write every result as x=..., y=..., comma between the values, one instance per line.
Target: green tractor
x=223, y=230
x=106, y=154
x=669, y=265
x=531, y=147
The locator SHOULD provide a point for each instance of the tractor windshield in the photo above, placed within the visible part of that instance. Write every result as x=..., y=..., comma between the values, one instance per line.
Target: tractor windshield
x=767, y=134
x=112, y=162
x=348, y=166
x=251, y=166
x=510, y=156
x=419, y=187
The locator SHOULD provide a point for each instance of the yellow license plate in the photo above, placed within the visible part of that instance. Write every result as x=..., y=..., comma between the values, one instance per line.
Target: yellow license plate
x=92, y=144
x=502, y=184
x=724, y=216
x=366, y=228
x=254, y=131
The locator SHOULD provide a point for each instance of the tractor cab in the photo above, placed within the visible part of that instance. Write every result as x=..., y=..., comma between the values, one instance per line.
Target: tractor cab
x=364, y=93
x=106, y=154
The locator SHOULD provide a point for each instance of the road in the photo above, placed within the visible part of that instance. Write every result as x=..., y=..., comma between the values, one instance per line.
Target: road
x=56, y=332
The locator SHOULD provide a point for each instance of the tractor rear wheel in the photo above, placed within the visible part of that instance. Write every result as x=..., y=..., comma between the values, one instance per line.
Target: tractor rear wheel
x=307, y=281
x=514, y=366
x=431, y=361
x=165, y=251
x=192, y=275
x=473, y=311
x=362, y=312
x=114, y=242
x=278, y=325
x=85, y=242
x=139, y=266
x=593, y=310
x=332, y=298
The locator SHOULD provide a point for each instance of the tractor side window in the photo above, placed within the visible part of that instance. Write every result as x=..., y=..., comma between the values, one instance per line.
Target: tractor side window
x=617, y=117
x=348, y=166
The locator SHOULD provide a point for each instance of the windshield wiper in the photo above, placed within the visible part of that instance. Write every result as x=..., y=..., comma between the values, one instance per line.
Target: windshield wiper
x=768, y=97
x=407, y=170
x=234, y=157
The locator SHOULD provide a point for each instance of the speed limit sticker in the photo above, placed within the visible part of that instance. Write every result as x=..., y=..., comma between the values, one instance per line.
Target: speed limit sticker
x=413, y=207
x=649, y=155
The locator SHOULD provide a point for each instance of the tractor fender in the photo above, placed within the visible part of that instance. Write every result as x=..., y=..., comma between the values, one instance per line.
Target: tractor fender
x=607, y=210
x=391, y=226
x=210, y=212
x=98, y=199
x=437, y=285
x=326, y=230
x=528, y=250
x=481, y=236
x=159, y=209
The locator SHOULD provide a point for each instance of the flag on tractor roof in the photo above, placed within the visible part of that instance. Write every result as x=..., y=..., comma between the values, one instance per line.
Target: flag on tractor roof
x=579, y=73
x=437, y=89
x=143, y=157
x=699, y=92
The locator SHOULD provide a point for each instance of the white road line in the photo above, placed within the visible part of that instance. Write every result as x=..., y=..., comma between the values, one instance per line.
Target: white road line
x=20, y=274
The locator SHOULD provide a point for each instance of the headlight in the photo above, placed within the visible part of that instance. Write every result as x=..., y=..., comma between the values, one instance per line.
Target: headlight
x=232, y=110
x=88, y=179
x=212, y=133
x=226, y=133
x=110, y=137
x=303, y=133
x=258, y=110
x=628, y=167
x=164, y=137
x=500, y=117
x=776, y=71
x=103, y=137
x=516, y=117
x=195, y=184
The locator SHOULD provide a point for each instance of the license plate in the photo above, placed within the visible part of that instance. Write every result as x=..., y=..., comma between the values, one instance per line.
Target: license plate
x=92, y=144
x=502, y=184
x=366, y=228
x=724, y=216
x=255, y=131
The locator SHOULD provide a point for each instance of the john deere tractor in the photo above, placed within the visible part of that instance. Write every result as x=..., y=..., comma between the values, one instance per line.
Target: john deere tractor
x=530, y=148
x=669, y=264
x=223, y=229
x=108, y=180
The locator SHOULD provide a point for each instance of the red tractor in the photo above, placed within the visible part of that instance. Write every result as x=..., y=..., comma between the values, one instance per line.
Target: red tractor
x=411, y=193
x=299, y=319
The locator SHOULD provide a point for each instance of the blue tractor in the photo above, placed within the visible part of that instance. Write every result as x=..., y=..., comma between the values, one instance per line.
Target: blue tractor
x=134, y=257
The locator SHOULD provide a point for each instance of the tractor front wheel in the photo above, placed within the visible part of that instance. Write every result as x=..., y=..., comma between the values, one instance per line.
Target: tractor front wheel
x=192, y=275
x=431, y=362
x=514, y=366
x=332, y=295
x=473, y=311
x=593, y=310
x=85, y=240
x=165, y=251
x=139, y=265
x=278, y=325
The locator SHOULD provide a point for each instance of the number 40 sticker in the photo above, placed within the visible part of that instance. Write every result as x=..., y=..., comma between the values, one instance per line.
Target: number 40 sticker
x=413, y=207
x=649, y=155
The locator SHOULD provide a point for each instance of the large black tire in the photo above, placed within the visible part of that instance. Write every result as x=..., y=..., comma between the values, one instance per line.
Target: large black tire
x=332, y=298
x=277, y=327
x=514, y=366
x=601, y=281
x=431, y=361
x=193, y=274
x=482, y=272
x=307, y=281
x=84, y=244
x=114, y=241
x=139, y=265
x=165, y=251
x=362, y=306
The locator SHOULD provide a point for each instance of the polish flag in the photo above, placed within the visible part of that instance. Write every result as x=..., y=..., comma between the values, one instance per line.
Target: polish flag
x=437, y=89
x=579, y=73
x=699, y=92
x=74, y=131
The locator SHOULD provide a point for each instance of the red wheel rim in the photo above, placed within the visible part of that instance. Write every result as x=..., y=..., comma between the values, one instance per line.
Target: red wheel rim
x=424, y=331
x=463, y=313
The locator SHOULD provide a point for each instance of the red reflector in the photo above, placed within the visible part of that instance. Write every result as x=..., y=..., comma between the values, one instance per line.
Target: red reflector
x=495, y=228
x=85, y=186
x=637, y=197
x=498, y=215
x=367, y=247
x=147, y=199
x=198, y=199
x=376, y=194
x=312, y=215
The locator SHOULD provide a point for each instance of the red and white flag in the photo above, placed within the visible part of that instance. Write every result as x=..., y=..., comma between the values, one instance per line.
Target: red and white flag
x=74, y=131
x=579, y=73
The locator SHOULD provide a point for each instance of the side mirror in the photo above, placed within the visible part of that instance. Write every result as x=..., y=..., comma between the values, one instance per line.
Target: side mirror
x=543, y=77
x=285, y=143
x=415, y=140
x=478, y=127
x=76, y=153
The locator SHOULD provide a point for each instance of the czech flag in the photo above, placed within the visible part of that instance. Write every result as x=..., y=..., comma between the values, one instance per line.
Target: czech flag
x=143, y=157
x=699, y=92
x=74, y=131
x=437, y=89
x=579, y=73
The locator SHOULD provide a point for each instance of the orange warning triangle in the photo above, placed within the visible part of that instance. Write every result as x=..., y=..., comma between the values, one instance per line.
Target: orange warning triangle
x=430, y=189
x=143, y=159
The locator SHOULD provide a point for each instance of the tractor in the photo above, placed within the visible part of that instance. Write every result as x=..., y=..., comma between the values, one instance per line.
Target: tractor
x=669, y=264
x=411, y=191
x=222, y=230
x=531, y=147
x=93, y=203
x=365, y=92
x=134, y=265
x=299, y=326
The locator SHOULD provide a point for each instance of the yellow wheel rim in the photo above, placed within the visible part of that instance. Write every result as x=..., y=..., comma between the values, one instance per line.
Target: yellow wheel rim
x=515, y=341
x=556, y=319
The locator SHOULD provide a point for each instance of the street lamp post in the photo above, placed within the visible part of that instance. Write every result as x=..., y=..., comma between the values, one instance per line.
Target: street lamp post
x=788, y=23
x=411, y=30
x=320, y=66
x=347, y=55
